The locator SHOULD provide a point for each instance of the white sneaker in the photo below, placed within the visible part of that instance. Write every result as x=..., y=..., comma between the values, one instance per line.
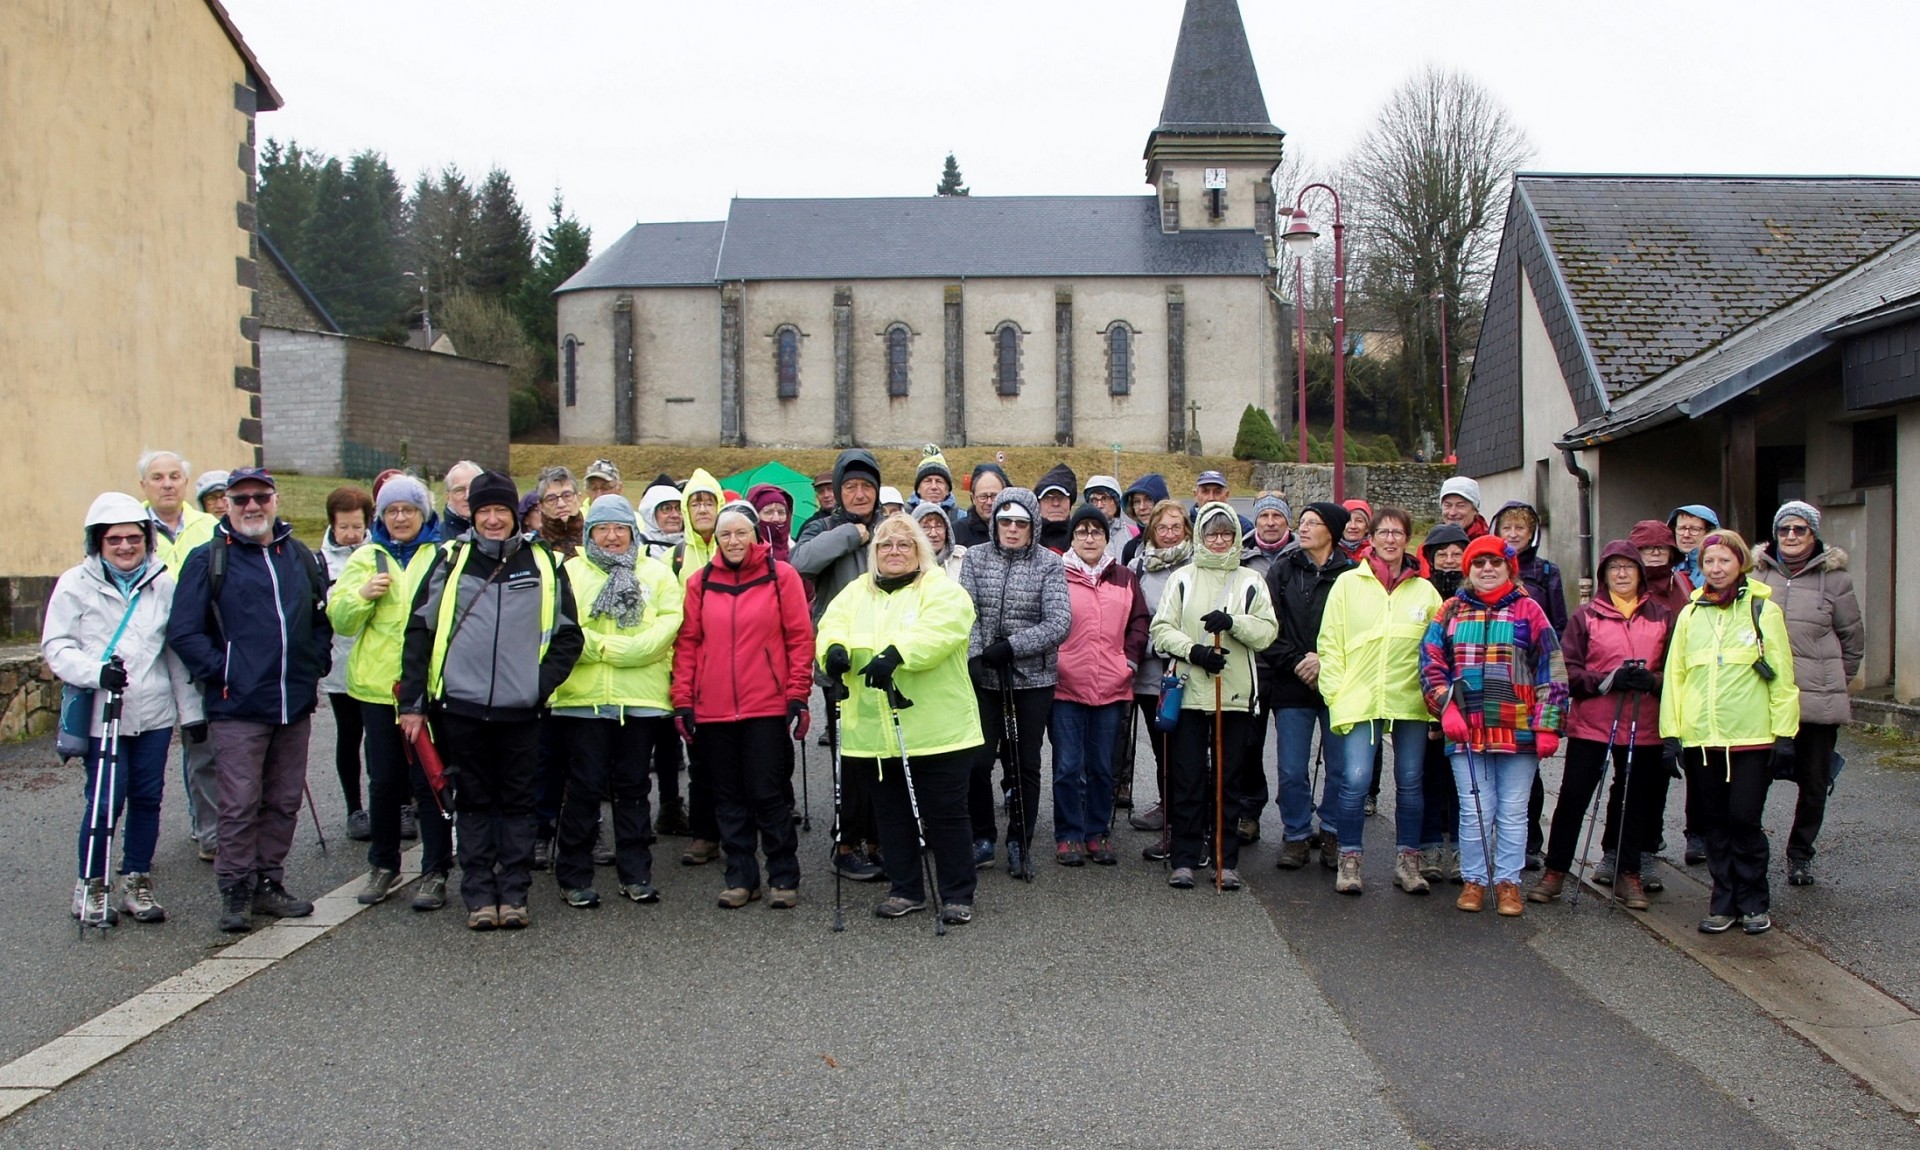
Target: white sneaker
x=136, y=899
x=94, y=910
x=1406, y=873
x=1348, y=880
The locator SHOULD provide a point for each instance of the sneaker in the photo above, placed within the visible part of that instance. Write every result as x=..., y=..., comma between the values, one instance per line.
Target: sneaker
x=1070, y=854
x=852, y=863
x=602, y=848
x=1293, y=854
x=272, y=900
x=782, y=898
x=640, y=892
x=983, y=853
x=583, y=898
x=1759, y=923
x=1507, y=900
x=1696, y=852
x=485, y=918
x=1473, y=898
x=136, y=899
x=1549, y=887
x=1373, y=805
x=1329, y=844
x=700, y=852
x=1650, y=878
x=673, y=819
x=1100, y=851
x=1159, y=849
x=1631, y=892
x=1800, y=872
x=1536, y=861
x=956, y=913
x=735, y=897
x=359, y=826
x=894, y=906
x=95, y=909
x=1229, y=879
x=1716, y=924
x=1249, y=830
x=1406, y=873
x=431, y=894
x=207, y=853
x=379, y=886
x=1122, y=799
x=1152, y=819
x=1019, y=862
x=1348, y=880
x=1453, y=866
x=79, y=895
x=236, y=909
x=1430, y=864
x=1603, y=874
x=409, y=822
x=543, y=852
x=514, y=918
x=1181, y=878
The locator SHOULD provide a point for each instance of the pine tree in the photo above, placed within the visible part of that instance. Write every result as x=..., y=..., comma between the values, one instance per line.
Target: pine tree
x=950, y=178
x=439, y=237
x=288, y=184
x=351, y=260
x=564, y=249
x=504, y=254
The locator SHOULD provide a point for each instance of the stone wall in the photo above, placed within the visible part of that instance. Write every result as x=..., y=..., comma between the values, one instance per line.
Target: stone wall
x=29, y=694
x=1414, y=486
x=420, y=409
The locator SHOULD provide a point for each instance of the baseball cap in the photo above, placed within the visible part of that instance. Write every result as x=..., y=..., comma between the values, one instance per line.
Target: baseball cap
x=241, y=475
x=603, y=469
x=1213, y=477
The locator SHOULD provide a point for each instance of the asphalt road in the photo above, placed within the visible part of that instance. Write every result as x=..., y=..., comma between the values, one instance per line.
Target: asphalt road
x=1093, y=1006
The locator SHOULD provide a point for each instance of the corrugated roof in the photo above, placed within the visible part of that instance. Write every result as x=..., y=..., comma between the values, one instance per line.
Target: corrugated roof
x=1213, y=87
x=654, y=255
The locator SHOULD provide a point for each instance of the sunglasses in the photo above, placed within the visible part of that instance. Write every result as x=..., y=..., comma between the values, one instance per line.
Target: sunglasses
x=243, y=498
x=1796, y=529
x=1488, y=561
x=124, y=540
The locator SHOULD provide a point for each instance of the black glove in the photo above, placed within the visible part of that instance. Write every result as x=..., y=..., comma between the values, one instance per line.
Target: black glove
x=196, y=733
x=683, y=723
x=1207, y=659
x=998, y=653
x=977, y=671
x=1635, y=679
x=879, y=670
x=113, y=675
x=1670, y=756
x=1217, y=622
x=1785, y=758
x=838, y=661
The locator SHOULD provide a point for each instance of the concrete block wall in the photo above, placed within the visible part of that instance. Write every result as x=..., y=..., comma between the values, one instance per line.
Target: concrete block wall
x=421, y=409
x=302, y=388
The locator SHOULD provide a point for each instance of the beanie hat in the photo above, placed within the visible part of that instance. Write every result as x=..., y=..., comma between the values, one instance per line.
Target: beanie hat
x=1332, y=516
x=612, y=508
x=1088, y=513
x=1793, y=507
x=490, y=489
x=1363, y=506
x=1488, y=545
x=529, y=503
x=980, y=469
x=1272, y=501
x=762, y=495
x=934, y=464
x=404, y=489
x=1465, y=488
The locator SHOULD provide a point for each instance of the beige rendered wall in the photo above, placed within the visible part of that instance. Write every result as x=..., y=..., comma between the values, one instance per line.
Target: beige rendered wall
x=676, y=338
x=587, y=316
x=118, y=182
x=1244, y=182
x=808, y=306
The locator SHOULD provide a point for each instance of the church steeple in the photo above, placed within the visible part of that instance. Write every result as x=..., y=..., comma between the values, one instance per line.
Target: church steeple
x=1214, y=152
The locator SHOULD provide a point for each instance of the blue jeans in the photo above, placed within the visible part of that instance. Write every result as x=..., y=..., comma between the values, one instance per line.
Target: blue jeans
x=1409, y=747
x=1504, y=781
x=1293, y=747
x=1083, y=743
x=139, y=777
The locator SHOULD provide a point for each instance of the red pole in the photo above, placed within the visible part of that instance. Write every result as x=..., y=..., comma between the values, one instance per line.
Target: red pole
x=1300, y=346
x=1446, y=391
x=1339, y=353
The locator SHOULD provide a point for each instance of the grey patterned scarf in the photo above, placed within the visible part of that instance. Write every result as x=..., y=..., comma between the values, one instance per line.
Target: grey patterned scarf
x=621, y=596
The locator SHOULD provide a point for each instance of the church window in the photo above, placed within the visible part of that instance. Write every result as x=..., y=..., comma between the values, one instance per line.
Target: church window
x=570, y=369
x=1006, y=358
x=898, y=339
x=786, y=361
x=1119, y=358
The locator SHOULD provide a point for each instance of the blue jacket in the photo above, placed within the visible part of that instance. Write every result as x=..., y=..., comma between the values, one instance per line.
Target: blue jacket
x=265, y=665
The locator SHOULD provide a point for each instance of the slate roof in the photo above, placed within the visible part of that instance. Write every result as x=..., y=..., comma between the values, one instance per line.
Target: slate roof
x=1213, y=87
x=922, y=237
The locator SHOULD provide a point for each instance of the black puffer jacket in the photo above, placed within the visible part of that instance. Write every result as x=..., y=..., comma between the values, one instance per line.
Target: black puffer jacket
x=1019, y=596
x=1299, y=591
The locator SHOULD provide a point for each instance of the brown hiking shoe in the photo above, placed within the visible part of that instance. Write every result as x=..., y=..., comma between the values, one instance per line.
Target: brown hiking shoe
x=1506, y=896
x=1473, y=896
x=1293, y=854
x=1631, y=892
x=1329, y=849
x=1549, y=887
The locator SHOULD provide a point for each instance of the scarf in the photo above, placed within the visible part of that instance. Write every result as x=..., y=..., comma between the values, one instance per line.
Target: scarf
x=888, y=584
x=1166, y=558
x=564, y=535
x=1391, y=579
x=1079, y=567
x=403, y=552
x=1711, y=598
x=1494, y=596
x=1275, y=548
x=776, y=537
x=621, y=596
x=1447, y=582
x=1626, y=607
x=124, y=580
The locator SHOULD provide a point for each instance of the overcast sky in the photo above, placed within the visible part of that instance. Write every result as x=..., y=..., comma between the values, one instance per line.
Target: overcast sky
x=657, y=111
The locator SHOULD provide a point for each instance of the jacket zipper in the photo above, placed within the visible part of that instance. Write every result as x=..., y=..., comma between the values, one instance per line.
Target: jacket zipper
x=280, y=617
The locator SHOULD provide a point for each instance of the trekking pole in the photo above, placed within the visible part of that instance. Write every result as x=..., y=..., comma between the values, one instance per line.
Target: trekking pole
x=105, y=779
x=897, y=702
x=806, y=796
x=834, y=692
x=1219, y=780
x=1626, y=800
x=1017, y=807
x=1133, y=747
x=315, y=812
x=1599, y=792
x=1473, y=787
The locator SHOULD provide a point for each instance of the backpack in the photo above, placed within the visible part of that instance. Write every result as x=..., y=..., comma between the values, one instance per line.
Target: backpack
x=316, y=568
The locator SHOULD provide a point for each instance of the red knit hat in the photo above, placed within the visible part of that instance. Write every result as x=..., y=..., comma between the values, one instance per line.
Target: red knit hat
x=1488, y=545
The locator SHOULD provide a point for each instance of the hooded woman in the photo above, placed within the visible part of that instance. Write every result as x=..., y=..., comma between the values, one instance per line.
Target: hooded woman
x=1519, y=524
x=1166, y=545
x=1103, y=492
x=1615, y=650
x=1491, y=672
x=1139, y=501
x=775, y=508
x=662, y=528
x=936, y=523
x=1810, y=583
x=1690, y=523
x=105, y=633
x=1214, y=617
x=1658, y=556
x=894, y=645
x=741, y=676
x=1729, y=711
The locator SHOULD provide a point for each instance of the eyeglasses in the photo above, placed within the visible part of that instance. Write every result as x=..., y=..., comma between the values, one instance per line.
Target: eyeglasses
x=1795, y=529
x=1389, y=533
x=243, y=498
x=1090, y=530
x=1480, y=561
x=1229, y=533
x=559, y=498
x=405, y=510
x=896, y=545
x=124, y=540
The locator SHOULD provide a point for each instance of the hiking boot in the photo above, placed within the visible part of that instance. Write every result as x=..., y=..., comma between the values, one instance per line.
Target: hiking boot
x=1329, y=849
x=1536, y=860
x=1181, y=878
x=956, y=913
x=379, y=886
x=1453, y=866
x=1154, y=818
x=983, y=853
x=359, y=826
x=1758, y=923
x=735, y=897
x=431, y=894
x=700, y=852
x=1507, y=900
x=1249, y=830
x=484, y=918
x=1631, y=892
x=1473, y=897
x=673, y=819
x=514, y=918
x=1696, y=852
x=236, y=909
x=782, y=898
x=272, y=900
x=852, y=863
x=1716, y=924
x=640, y=892
x=894, y=906
x=409, y=822
x=1430, y=864
x=1019, y=862
x=1373, y=806
x=583, y=898
x=1348, y=880
x=1293, y=854
x=95, y=909
x=1070, y=854
x=136, y=898
x=1603, y=874
x=1549, y=886
x=1406, y=873
x=1799, y=872
x=1100, y=851
x=1650, y=878
x=207, y=853
x=1122, y=801
x=1158, y=849
x=1229, y=879
x=602, y=848
x=543, y=852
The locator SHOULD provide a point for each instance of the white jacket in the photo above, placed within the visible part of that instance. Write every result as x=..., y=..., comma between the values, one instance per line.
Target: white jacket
x=334, y=682
x=82, y=614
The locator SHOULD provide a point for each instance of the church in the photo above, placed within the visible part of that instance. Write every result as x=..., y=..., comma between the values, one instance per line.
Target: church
x=1148, y=321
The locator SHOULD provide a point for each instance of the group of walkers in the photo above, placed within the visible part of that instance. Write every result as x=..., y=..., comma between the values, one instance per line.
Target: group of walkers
x=511, y=664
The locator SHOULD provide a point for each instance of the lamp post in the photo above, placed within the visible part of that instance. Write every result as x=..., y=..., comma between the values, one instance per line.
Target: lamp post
x=1446, y=391
x=1299, y=237
x=426, y=320
x=1300, y=346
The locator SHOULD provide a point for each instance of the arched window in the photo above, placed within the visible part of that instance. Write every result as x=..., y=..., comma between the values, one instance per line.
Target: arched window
x=1006, y=358
x=1119, y=358
x=786, y=361
x=570, y=369
x=898, y=339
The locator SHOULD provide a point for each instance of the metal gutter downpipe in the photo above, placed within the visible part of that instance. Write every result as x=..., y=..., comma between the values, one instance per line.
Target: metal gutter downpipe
x=1585, y=480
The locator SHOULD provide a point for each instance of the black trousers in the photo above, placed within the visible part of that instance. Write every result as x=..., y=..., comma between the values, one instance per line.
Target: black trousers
x=1732, y=789
x=856, y=802
x=940, y=782
x=606, y=756
x=749, y=765
x=1191, y=782
x=347, y=731
x=667, y=758
x=496, y=771
x=392, y=782
x=550, y=786
x=1638, y=770
x=1032, y=707
x=1652, y=785
x=1161, y=741
x=1813, y=774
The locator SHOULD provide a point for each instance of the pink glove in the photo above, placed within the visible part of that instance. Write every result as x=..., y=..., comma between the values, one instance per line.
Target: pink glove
x=1545, y=743
x=1453, y=725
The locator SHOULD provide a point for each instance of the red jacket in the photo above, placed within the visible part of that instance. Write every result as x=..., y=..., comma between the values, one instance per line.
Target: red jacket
x=746, y=646
x=1597, y=641
x=1108, y=637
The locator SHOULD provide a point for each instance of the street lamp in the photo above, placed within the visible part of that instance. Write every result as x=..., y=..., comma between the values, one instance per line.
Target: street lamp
x=1300, y=346
x=426, y=320
x=1299, y=238
x=1446, y=392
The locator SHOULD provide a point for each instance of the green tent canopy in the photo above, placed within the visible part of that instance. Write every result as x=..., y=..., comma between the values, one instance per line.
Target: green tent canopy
x=785, y=478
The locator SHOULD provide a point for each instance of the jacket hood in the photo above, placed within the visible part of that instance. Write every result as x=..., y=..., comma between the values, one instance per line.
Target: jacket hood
x=1619, y=549
x=1152, y=483
x=1024, y=498
x=1697, y=510
x=925, y=508
x=703, y=480
x=1654, y=533
x=761, y=494
x=1202, y=555
x=1824, y=558
x=114, y=507
x=1061, y=476
x=1443, y=535
x=857, y=459
x=1493, y=524
x=650, y=503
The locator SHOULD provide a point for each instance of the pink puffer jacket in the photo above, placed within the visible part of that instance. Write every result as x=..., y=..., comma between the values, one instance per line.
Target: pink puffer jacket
x=1108, y=637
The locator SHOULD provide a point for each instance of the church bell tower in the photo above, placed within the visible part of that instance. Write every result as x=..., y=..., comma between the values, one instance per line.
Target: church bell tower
x=1213, y=156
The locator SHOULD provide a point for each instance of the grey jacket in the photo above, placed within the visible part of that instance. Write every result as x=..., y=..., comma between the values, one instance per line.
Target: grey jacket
x=1020, y=596
x=1823, y=620
x=830, y=551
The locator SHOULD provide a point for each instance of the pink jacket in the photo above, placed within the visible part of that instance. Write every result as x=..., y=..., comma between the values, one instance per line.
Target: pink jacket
x=1108, y=637
x=1597, y=641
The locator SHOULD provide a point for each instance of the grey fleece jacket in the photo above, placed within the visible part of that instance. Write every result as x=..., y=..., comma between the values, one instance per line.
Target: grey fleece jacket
x=1019, y=596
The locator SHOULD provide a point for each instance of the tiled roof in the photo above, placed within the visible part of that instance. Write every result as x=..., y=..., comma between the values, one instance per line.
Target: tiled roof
x=654, y=255
x=1213, y=87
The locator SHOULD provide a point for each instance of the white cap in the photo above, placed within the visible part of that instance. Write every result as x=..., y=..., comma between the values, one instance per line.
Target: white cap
x=1465, y=488
x=1012, y=510
x=891, y=495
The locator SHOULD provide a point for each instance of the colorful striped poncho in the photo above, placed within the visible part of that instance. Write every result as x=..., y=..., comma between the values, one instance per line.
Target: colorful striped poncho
x=1500, y=664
